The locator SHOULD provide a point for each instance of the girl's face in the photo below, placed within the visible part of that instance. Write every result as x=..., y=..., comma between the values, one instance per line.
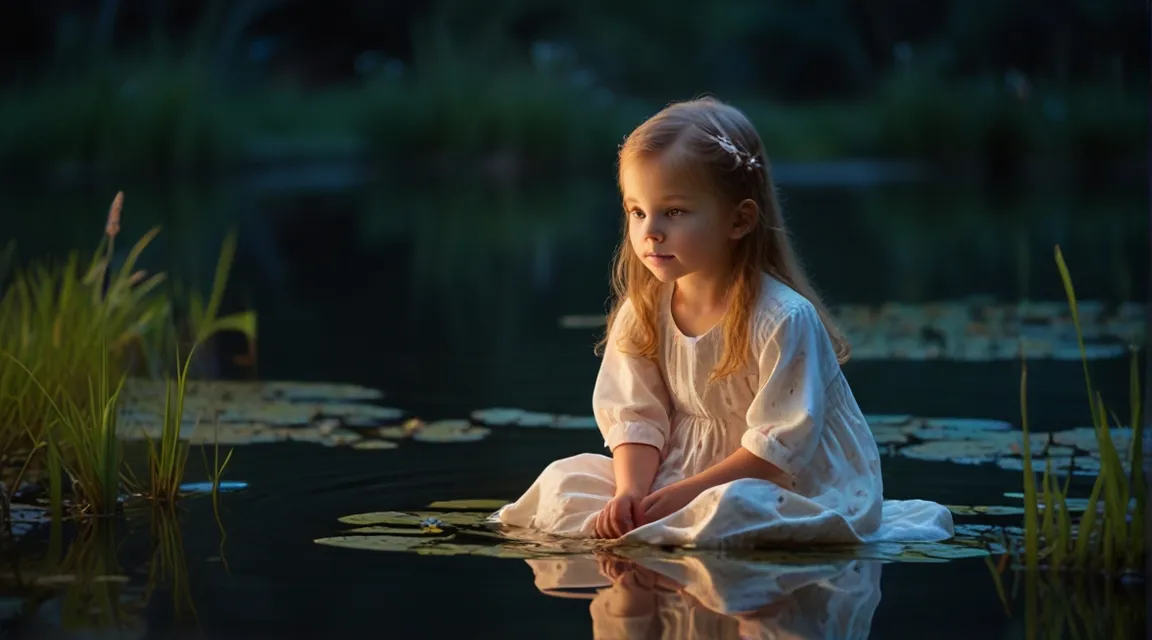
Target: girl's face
x=676, y=227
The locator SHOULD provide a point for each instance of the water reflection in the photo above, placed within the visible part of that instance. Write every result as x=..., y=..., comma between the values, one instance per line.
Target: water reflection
x=101, y=585
x=710, y=596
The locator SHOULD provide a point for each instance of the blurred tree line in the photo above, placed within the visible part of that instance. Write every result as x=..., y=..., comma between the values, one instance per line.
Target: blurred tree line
x=177, y=84
x=787, y=49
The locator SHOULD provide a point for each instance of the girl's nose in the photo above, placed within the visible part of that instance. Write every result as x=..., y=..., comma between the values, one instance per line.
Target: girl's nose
x=653, y=232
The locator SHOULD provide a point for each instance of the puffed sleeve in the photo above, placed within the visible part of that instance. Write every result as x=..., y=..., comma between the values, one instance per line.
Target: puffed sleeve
x=796, y=362
x=630, y=400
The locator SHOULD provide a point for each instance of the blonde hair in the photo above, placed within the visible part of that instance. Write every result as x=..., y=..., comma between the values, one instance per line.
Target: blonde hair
x=717, y=144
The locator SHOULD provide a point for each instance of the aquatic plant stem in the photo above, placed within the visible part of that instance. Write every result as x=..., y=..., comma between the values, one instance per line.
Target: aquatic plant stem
x=1031, y=529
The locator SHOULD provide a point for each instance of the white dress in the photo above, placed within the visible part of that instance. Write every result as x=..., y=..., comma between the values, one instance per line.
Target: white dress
x=791, y=406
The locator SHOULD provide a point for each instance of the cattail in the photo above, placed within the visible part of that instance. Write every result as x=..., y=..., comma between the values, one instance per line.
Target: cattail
x=113, y=226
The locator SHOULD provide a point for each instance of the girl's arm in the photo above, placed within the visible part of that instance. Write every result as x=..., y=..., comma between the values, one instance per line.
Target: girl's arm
x=631, y=406
x=786, y=418
x=741, y=464
x=635, y=468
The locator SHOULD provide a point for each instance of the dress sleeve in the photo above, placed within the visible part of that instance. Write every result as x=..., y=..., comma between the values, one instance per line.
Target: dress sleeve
x=795, y=365
x=630, y=400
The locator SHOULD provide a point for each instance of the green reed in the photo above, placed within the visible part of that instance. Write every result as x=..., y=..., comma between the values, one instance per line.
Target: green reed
x=1109, y=536
x=89, y=428
x=74, y=335
x=168, y=458
x=66, y=322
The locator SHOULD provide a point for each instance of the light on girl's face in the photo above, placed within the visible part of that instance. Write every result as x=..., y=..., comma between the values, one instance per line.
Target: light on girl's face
x=674, y=226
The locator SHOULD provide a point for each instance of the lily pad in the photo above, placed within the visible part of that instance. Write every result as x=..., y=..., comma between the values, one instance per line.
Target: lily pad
x=394, y=531
x=989, y=531
x=887, y=420
x=971, y=451
x=889, y=435
x=316, y=436
x=991, y=510
x=1084, y=438
x=1052, y=451
x=274, y=413
x=474, y=535
x=968, y=424
x=375, y=445
x=576, y=422
x=498, y=417
x=1084, y=466
x=236, y=413
x=360, y=410
x=531, y=419
x=415, y=518
x=479, y=504
x=234, y=436
x=503, y=417
x=450, y=431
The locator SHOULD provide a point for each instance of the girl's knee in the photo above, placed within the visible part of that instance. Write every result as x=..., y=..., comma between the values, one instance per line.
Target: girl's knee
x=581, y=463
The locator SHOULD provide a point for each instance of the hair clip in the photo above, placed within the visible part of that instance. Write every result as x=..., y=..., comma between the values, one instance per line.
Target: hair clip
x=743, y=158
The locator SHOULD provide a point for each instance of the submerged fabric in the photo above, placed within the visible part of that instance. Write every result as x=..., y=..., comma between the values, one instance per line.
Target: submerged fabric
x=791, y=406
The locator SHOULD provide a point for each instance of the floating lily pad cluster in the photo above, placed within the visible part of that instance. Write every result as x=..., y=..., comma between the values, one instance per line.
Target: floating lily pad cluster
x=978, y=442
x=238, y=413
x=971, y=441
x=461, y=527
x=977, y=330
x=342, y=415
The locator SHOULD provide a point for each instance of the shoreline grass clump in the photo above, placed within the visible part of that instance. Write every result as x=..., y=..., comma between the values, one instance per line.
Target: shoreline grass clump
x=1109, y=537
x=69, y=338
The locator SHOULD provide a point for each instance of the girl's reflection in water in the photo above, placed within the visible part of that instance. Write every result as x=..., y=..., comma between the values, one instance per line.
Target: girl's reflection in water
x=710, y=596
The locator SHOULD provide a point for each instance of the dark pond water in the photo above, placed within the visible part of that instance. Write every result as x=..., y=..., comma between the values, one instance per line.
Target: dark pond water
x=447, y=297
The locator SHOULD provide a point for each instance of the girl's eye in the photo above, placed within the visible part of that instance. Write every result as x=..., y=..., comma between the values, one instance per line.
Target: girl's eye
x=674, y=212
x=636, y=213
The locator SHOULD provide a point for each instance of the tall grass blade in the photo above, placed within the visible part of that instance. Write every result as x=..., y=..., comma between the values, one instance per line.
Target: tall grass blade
x=1070, y=291
x=1088, y=523
x=999, y=584
x=1048, y=527
x=1064, y=521
x=1139, y=488
x=1031, y=531
x=219, y=283
x=55, y=481
x=1115, y=507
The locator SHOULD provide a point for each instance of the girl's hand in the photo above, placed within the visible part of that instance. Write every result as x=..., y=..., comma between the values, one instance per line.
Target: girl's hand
x=664, y=502
x=621, y=515
x=618, y=569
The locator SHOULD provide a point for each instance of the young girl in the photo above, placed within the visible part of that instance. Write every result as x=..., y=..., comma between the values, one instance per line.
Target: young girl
x=720, y=393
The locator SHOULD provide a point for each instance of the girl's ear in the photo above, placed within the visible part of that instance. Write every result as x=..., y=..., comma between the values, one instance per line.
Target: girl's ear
x=747, y=215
